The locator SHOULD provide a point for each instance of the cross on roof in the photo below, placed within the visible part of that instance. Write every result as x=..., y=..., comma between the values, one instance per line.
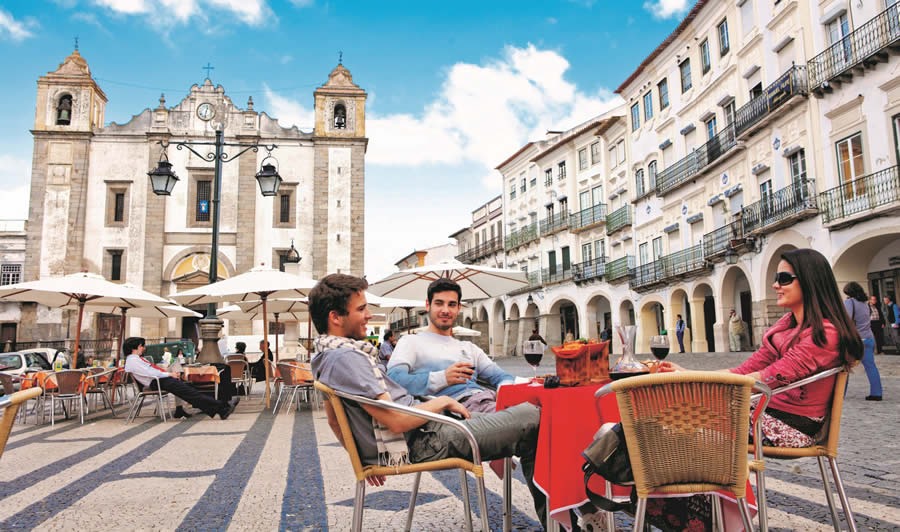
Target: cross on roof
x=340, y=57
x=76, y=42
x=207, y=68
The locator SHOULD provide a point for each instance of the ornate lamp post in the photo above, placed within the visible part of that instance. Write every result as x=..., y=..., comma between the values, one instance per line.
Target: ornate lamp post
x=163, y=180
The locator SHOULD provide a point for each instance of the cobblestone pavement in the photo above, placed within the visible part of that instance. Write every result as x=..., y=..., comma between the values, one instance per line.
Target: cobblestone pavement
x=257, y=471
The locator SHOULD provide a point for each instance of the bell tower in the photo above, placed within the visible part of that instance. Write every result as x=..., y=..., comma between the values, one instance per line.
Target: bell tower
x=339, y=175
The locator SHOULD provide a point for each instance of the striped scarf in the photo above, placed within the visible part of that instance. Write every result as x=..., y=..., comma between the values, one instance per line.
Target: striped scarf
x=392, y=449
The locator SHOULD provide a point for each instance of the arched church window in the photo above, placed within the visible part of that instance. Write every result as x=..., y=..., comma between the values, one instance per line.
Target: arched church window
x=64, y=111
x=340, y=116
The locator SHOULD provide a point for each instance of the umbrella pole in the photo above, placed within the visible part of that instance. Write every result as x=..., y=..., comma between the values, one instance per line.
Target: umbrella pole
x=266, y=351
x=121, y=337
x=308, y=335
x=78, y=335
x=408, y=320
x=276, y=338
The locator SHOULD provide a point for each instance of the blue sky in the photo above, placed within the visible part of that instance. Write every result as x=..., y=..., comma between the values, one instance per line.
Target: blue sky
x=454, y=87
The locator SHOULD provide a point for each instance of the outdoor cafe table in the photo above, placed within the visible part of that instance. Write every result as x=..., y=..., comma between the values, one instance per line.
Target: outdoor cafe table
x=201, y=374
x=569, y=420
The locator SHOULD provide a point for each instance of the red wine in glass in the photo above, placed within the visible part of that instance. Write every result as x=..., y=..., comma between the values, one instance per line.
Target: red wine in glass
x=660, y=352
x=534, y=360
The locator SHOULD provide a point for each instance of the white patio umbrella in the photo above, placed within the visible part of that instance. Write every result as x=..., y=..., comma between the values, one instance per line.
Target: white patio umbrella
x=79, y=289
x=477, y=282
x=260, y=283
x=289, y=309
x=390, y=304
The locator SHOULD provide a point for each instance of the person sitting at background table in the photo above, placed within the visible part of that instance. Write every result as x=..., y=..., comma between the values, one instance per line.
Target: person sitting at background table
x=258, y=368
x=146, y=373
x=816, y=335
x=387, y=347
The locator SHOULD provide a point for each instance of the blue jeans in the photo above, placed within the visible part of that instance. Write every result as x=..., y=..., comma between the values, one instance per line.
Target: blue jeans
x=868, y=362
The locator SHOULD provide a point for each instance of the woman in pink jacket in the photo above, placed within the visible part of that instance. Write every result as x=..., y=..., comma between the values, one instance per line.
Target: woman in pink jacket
x=814, y=336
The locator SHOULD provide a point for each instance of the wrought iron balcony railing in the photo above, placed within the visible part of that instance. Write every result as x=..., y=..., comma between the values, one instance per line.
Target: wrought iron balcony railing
x=751, y=114
x=589, y=269
x=557, y=222
x=796, y=200
x=618, y=219
x=556, y=275
x=648, y=274
x=619, y=268
x=588, y=217
x=521, y=236
x=482, y=250
x=405, y=323
x=861, y=195
x=669, y=266
x=866, y=45
x=727, y=237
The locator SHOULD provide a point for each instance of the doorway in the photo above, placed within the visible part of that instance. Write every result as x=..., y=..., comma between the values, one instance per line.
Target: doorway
x=190, y=329
x=568, y=321
x=7, y=337
x=709, y=320
x=747, y=315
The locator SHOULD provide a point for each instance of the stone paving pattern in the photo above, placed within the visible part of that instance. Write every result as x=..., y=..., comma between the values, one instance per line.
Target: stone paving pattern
x=257, y=471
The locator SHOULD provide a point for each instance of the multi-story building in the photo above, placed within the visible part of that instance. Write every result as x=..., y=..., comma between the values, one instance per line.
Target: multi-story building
x=12, y=257
x=722, y=162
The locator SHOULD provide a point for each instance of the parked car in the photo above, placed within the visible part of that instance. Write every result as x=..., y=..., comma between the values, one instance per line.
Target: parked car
x=50, y=354
x=17, y=364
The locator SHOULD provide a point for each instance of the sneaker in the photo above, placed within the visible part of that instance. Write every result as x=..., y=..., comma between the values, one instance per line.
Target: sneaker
x=873, y=398
x=179, y=413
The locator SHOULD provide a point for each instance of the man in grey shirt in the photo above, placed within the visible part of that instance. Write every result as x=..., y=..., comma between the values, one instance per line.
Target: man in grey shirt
x=345, y=362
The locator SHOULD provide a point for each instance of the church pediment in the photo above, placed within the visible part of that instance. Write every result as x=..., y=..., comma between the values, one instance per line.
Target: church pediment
x=340, y=78
x=74, y=65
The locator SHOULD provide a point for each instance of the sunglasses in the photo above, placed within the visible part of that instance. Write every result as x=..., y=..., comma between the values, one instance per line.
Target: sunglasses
x=784, y=278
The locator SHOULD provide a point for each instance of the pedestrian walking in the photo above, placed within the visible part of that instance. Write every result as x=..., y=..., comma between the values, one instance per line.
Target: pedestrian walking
x=858, y=308
x=891, y=322
x=679, y=332
x=876, y=321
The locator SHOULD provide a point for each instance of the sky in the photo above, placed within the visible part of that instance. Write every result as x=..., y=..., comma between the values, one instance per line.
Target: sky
x=454, y=87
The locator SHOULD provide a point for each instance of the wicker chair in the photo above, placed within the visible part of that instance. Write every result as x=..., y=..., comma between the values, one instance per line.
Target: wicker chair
x=65, y=385
x=362, y=472
x=685, y=433
x=827, y=448
x=144, y=392
x=10, y=405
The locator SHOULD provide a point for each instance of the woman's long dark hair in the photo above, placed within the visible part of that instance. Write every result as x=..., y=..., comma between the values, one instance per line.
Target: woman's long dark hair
x=822, y=301
x=855, y=291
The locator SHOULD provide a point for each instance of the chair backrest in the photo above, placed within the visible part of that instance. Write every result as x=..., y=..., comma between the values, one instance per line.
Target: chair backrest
x=9, y=405
x=349, y=441
x=68, y=381
x=686, y=431
x=238, y=367
x=229, y=358
x=293, y=374
x=834, y=416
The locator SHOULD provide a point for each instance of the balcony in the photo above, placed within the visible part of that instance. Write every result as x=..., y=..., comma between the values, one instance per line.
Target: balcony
x=869, y=196
x=589, y=269
x=482, y=250
x=786, y=206
x=521, y=236
x=747, y=120
x=556, y=275
x=729, y=236
x=619, y=269
x=405, y=323
x=864, y=47
x=647, y=275
x=619, y=219
x=557, y=222
x=588, y=218
x=676, y=265
x=534, y=282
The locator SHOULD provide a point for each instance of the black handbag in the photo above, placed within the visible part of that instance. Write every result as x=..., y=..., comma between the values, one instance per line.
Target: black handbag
x=607, y=456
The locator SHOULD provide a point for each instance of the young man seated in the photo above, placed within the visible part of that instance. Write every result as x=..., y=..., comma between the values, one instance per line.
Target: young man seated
x=146, y=373
x=344, y=361
x=433, y=362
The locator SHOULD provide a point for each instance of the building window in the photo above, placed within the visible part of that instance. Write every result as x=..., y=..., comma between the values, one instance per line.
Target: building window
x=561, y=170
x=584, y=200
x=10, y=274
x=119, y=207
x=635, y=116
x=595, y=153
x=600, y=248
x=612, y=157
x=582, y=159
x=548, y=177
x=705, y=63
x=639, y=183
x=620, y=151
x=756, y=91
x=837, y=31
x=851, y=164
x=663, y=87
x=202, y=205
x=729, y=113
x=710, y=128
x=116, y=204
x=724, y=44
x=533, y=181
x=685, y=68
x=284, y=208
x=340, y=116
x=597, y=195
x=512, y=190
x=648, y=106
x=651, y=174
x=657, y=248
x=587, y=252
x=64, y=111
x=798, y=166
x=114, y=265
x=522, y=186
x=643, y=253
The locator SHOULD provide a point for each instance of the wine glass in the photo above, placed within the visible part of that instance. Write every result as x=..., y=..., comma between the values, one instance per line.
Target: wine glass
x=659, y=346
x=533, y=355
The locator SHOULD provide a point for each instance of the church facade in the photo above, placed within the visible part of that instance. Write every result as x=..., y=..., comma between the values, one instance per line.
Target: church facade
x=92, y=206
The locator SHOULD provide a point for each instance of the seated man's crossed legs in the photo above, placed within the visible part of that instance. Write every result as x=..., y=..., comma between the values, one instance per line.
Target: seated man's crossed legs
x=199, y=400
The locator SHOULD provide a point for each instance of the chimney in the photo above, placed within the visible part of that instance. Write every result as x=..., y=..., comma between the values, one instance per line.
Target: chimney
x=420, y=258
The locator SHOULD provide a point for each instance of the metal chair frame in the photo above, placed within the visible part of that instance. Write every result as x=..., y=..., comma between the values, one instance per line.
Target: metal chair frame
x=363, y=472
x=139, y=398
x=243, y=377
x=76, y=393
x=289, y=386
x=100, y=388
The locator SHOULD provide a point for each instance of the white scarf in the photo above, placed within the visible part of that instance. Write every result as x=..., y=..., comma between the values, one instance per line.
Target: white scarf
x=392, y=449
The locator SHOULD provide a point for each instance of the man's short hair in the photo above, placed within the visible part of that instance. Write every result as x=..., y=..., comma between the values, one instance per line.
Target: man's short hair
x=332, y=292
x=132, y=343
x=388, y=334
x=444, y=285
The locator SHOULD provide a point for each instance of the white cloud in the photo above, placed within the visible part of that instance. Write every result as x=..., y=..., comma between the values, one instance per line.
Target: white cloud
x=551, y=20
x=285, y=59
x=663, y=9
x=303, y=3
x=15, y=175
x=289, y=112
x=88, y=18
x=127, y=7
x=13, y=29
x=251, y=12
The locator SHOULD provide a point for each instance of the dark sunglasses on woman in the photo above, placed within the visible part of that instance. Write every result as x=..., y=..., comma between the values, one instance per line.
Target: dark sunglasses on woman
x=784, y=278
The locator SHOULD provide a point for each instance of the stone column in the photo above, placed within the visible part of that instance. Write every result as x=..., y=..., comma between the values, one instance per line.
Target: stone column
x=525, y=326
x=698, y=334
x=510, y=334
x=154, y=235
x=550, y=329
x=481, y=341
x=245, y=223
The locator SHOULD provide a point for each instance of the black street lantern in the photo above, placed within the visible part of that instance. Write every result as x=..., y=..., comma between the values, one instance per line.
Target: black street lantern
x=268, y=178
x=731, y=256
x=293, y=257
x=162, y=178
x=530, y=300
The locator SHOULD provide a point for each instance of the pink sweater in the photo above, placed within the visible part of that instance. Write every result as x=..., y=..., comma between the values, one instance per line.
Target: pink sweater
x=779, y=366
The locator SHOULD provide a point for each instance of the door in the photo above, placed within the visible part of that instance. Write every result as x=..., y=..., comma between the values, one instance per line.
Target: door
x=566, y=259
x=709, y=320
x=642, y=253
x=190, y=329
x=747, y=315
x=551, y=259
x=657, y=248
x=841, y=56
x=765, y=201
x=851, y=167
x=7, y=337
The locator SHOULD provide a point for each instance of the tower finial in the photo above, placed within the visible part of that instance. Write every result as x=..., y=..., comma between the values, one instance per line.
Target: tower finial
x=340, y=57
x=76, y=43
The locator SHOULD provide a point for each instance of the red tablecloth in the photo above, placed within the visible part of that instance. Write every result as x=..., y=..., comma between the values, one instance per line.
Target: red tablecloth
x=569, y=420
